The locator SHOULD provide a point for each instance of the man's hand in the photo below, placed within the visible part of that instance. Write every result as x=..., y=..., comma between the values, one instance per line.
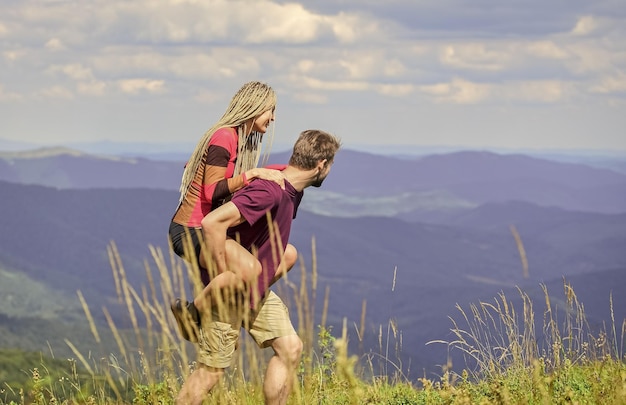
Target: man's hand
x=214, y=228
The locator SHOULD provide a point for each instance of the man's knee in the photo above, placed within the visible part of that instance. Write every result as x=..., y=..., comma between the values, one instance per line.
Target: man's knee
x=254, y=271
x=288, y=348
x=199, y=384
x=290, y=257
x=242, y=262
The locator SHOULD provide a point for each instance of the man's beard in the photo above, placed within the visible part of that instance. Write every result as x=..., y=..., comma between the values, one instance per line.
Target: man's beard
x=318, y=180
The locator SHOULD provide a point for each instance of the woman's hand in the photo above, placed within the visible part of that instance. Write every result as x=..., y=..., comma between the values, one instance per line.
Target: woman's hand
x=276, y=176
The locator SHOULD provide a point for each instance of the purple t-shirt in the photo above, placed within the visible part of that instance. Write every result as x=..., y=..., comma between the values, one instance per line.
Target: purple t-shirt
x=257, y=201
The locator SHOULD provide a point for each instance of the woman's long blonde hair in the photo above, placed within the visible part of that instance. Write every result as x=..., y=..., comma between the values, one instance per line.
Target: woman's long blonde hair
x=252, y=100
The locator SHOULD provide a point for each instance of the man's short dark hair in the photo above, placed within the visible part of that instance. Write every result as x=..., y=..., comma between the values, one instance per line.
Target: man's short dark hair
x=312, y=146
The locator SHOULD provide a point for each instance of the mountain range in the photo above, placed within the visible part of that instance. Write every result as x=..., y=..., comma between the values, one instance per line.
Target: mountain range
x=442, y=236
x=362, y=183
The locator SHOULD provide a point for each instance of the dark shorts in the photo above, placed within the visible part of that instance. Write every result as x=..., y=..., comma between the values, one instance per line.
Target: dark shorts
x=181, y=237
x=178, y=235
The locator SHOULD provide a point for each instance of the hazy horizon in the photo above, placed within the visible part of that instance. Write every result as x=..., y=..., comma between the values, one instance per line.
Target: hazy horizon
x=452, y=74
x=168, y=147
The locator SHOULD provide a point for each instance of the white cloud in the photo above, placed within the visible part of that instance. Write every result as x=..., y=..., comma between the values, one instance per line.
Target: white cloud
x=589, y=58
x=135, y=86
x=348, y=70
x=346, y=27
x=186, y=63
x=395, y=90
x=476, y=56
x=55, y=92
x=546, y=49
x=544, y=91
x=394, y=68
x=349, y=54
x=350, y=28
x=73, y=71
x=206, y=97
x=86, y=83
x=330, y=85
x=184, y=22
x=55, y=44
x=585, y=25
x=8, y=96
x=92, y=88
x=305, y=65
x=311, y=98
x=358, y=66
x=461, y=91
x=611, y=84
x=290, y=23
x=458, y=91
x=13, y=54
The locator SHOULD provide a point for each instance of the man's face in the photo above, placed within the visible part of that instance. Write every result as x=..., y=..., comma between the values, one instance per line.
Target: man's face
x=323, y=173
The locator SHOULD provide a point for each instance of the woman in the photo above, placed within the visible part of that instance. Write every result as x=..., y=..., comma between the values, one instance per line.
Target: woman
x=223, y=162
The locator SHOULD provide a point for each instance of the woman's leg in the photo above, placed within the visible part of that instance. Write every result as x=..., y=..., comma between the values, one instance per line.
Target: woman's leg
x=243, y=271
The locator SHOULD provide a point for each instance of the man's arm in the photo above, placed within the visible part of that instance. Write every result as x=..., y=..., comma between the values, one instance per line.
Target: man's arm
x=214, y=228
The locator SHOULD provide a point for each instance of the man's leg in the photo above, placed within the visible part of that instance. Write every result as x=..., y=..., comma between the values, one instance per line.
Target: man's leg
x=281, y=370
x=217, y=342
x=244, y=269
x=198, y=385
x=271, y=326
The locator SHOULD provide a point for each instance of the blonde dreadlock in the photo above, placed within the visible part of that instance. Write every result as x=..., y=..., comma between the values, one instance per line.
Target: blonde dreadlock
x=252, y=100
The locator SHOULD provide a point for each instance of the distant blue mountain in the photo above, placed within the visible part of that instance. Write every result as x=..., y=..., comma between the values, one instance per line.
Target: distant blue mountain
x=71, y=169
x=412, y=236
x=415, y=188
x=480, y=177
x=413, y=273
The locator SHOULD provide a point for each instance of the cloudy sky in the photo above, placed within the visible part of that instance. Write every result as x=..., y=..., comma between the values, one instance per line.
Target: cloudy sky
x=538, y=74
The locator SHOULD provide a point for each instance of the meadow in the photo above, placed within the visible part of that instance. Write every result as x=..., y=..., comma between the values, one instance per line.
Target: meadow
x=532, y=353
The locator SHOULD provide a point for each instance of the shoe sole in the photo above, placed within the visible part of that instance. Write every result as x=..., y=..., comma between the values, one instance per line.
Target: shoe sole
x=186, y=325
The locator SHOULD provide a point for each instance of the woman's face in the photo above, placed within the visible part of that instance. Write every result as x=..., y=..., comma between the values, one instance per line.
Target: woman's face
x=263, y=121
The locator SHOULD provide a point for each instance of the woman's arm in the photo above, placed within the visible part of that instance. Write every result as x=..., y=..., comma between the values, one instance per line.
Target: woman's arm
x=222, y=151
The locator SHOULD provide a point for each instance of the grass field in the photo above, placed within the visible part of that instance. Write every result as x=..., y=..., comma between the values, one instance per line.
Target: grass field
x=514, y=356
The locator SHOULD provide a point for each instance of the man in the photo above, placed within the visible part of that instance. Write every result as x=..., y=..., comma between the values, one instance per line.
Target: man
x=255, y=224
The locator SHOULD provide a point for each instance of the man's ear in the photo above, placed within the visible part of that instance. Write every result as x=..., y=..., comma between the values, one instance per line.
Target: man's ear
x=322, y=164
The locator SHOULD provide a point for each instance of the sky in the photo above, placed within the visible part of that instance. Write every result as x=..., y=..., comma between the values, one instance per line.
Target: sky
x=480, y=74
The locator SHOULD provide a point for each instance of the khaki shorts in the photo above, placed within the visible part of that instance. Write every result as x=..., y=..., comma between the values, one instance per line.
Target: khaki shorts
x=218, y=340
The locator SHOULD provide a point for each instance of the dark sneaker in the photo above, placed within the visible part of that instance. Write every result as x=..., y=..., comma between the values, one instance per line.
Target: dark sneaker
x=187, y=319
